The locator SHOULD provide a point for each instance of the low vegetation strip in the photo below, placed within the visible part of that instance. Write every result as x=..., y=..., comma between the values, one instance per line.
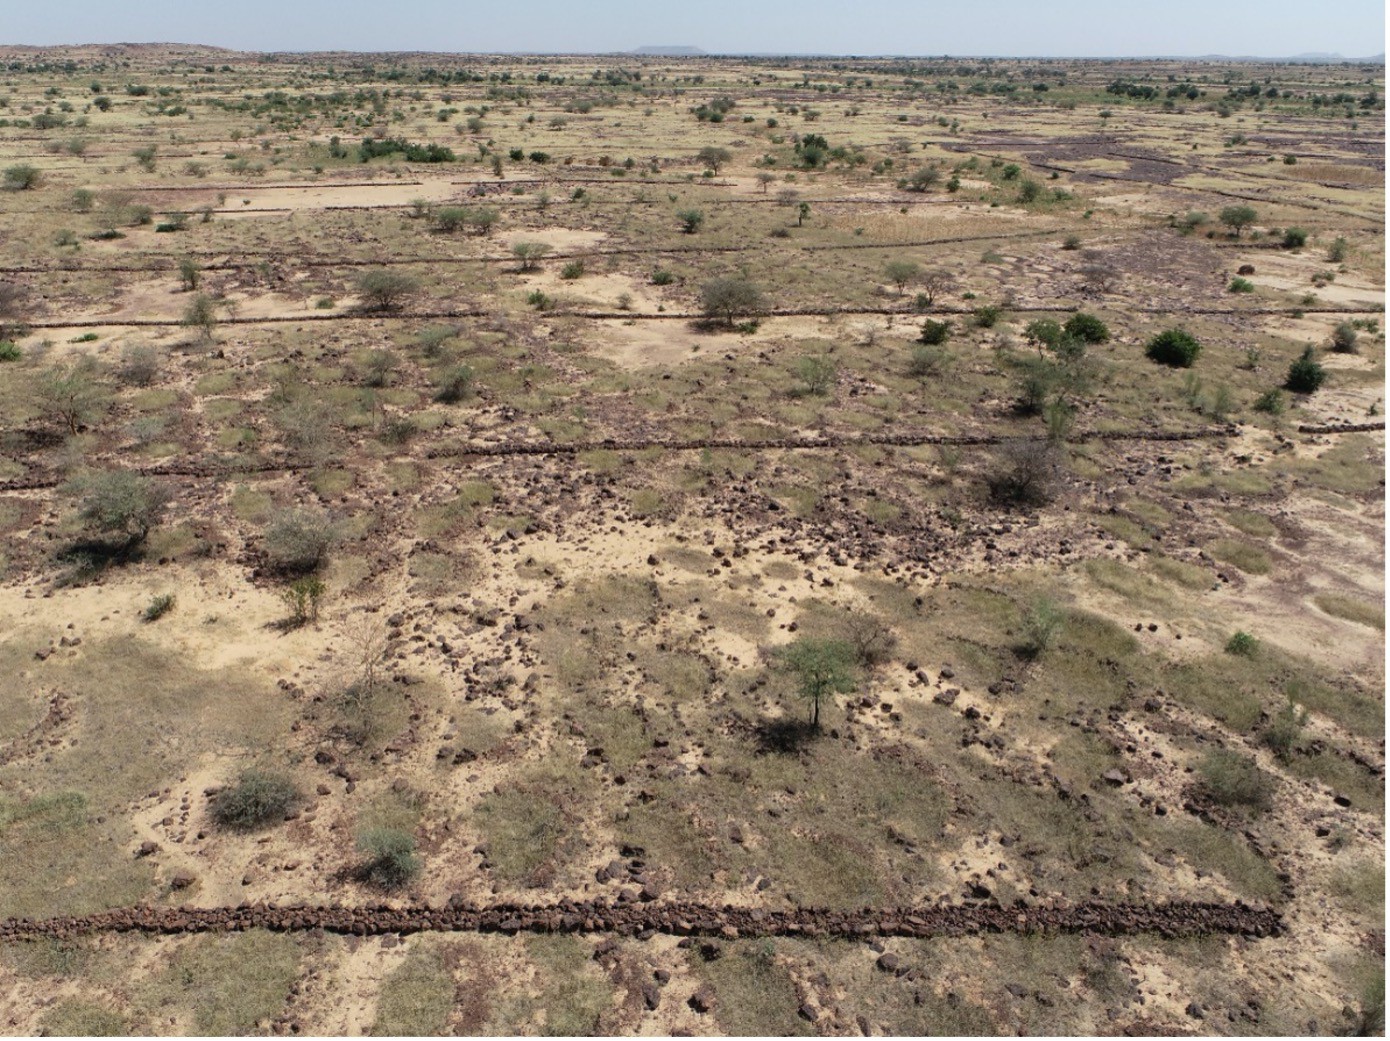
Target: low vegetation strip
x=678, y=918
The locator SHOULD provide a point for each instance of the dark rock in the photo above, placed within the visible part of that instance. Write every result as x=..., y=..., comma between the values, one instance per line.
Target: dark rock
x=702, y=1000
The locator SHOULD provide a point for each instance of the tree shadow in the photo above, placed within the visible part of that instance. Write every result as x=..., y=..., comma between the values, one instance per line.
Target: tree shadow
x=783, y=736
x=87, y=558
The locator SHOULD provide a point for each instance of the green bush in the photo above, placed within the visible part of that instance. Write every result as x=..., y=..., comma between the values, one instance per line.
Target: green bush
x=1174, y=347
x=302, y=597
x=1344, y=338
x=1086, y=327
x=1295, y=238
x=390, y=857
x=662, y=277
x=927, y=362
x=22, y=177
x=454, y=384
x=1271, y=402
x=121, y=502
x=1305, y=374
x=1241, y=285
x=987, y=317
x=934, y=333
x=1243, y=644
x=9, y=351
x=158, y=607
x=690, y=220
x=258, y=798
x=574, y=269
x=1040, y=628
x=298, y=541
x=1043, y=331
x=1233, y=780
x=1282, y=732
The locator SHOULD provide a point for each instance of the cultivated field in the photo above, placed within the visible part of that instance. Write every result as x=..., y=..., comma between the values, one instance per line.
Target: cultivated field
x=439, y=493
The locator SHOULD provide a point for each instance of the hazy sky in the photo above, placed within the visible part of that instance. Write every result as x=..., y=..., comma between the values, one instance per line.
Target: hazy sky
x=1354, y=28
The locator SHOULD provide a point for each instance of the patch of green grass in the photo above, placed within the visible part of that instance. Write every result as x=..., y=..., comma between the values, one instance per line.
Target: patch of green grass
x=418, y=995
x=754, y=992
x=1221, y=686
x=1251, y=523
x=1190, y=576
x=1250, y=559
x=568, y=994
x=224, y=984
x=74, y=1017
x=1361, y=887
x=1360, y=611
x=1128, y=582
x=529, y=826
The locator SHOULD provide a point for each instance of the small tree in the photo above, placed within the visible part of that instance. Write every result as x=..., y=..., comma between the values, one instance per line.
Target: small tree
x=822, y=668
x=73, y=395
x=121, y=503
x=1174, y=347
x=530, y=254
x=901, y=272
x=712, y=158
x=936, y=282
x=201, y=314
x=921, y=180
x=817, y=373
x=1237, y=218
x=730, y=298
x=383, y=289
x=1305, y=373
x=1025, y=472
x=690, y=220
x=302, y=597
x=1043, y=332
x=765, y=179
x=189, y=274
x=803, y=210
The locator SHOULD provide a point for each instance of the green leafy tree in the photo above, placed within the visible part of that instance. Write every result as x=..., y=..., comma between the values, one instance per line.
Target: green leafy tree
x=73, y=395
x=1237, y=218
x=731, y=298
x=901, y=272
x=383, y=289
x=712, y=158
x=201, y=314
x=530, y=254
x=817, y=374
x=822, y=669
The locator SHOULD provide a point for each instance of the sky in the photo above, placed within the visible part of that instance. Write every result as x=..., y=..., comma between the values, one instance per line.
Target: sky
x=1031, y=28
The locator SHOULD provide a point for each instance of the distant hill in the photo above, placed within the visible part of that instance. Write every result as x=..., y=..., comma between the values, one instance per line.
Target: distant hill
x=669, y=52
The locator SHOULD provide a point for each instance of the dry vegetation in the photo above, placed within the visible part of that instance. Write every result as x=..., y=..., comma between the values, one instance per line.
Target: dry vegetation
x=380, y=524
